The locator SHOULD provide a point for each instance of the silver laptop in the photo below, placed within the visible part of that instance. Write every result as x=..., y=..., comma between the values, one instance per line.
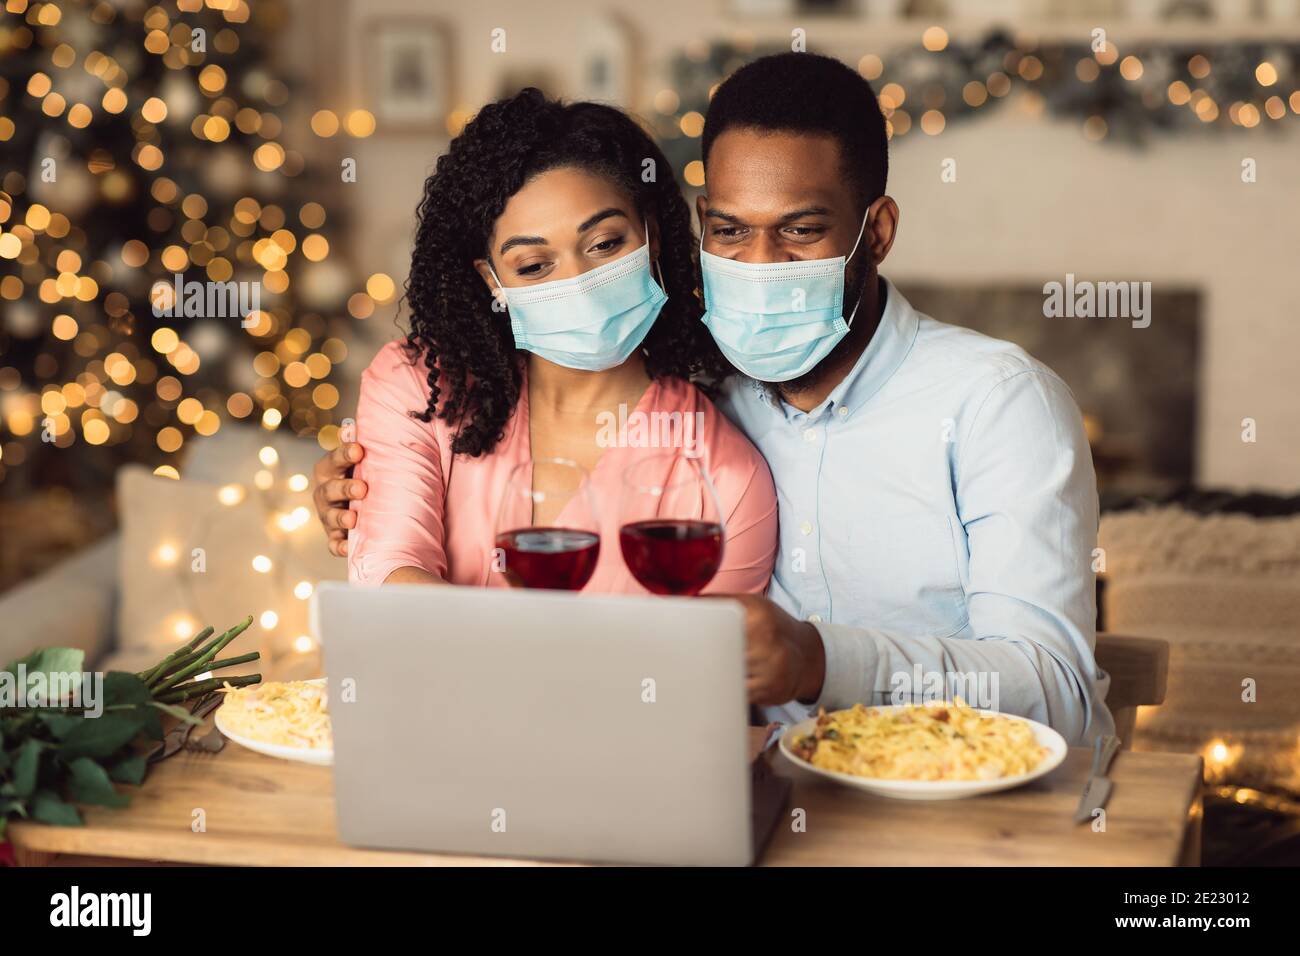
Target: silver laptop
x=538, y=723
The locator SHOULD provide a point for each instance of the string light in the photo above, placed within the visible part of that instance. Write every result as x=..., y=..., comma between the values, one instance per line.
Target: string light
x=230, y=495
x=934, y=39
x=1220, y=757
x=871, y=66
x=293, y=520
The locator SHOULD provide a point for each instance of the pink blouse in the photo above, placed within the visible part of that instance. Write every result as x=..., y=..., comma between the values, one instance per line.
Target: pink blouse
x=428, y=509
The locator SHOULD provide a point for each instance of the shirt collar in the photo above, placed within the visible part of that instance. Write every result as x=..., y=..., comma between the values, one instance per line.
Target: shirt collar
x=878, y=362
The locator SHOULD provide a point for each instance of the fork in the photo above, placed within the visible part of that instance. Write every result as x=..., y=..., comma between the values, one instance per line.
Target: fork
x=210, y=743
x=178, y=737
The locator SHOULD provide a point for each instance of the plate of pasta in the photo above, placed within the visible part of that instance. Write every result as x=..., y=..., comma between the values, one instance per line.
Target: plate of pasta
x=935, y=751
x=286, y=719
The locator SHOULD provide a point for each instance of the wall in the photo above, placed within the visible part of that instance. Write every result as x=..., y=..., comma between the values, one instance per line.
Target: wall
x=1033, y=200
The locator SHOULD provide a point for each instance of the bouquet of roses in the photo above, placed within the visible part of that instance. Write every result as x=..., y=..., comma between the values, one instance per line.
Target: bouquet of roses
x=67, y=736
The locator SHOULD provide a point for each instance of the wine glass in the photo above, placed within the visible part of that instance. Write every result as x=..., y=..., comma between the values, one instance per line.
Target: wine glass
x=547, y=534
x=670, y=524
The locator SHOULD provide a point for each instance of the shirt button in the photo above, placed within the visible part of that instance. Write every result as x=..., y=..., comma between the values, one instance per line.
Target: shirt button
x=809, y=435
x=843, y=410
x=814, y=618
x=806, y=527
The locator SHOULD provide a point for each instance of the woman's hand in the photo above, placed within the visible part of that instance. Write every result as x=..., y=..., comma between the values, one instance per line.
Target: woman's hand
x=334, y=489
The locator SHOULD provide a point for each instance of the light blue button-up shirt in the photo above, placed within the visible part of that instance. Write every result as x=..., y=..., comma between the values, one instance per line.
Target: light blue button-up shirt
x=938, y=518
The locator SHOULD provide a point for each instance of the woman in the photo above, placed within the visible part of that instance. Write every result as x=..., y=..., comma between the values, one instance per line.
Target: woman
x=569, y=216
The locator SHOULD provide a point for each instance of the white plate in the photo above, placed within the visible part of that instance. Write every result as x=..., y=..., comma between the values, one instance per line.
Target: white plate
x=320, y=756
x=934, y=789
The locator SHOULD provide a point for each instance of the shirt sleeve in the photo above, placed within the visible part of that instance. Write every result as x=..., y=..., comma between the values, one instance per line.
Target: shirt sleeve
x=400, y=521
x=747, y=499
x=1026, y=496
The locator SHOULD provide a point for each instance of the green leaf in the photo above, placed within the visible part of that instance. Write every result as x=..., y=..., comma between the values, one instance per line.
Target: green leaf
x=123, y=688
x=90, y=784
x=50, y=673
x=48, y=808
x=179, y=712
x=152, y=720
x=102, y=736
x=60, y=722
x=129, y=769
x=26, y=767
x=51, y=659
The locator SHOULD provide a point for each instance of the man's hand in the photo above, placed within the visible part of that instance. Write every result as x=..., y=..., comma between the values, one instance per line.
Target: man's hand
x=334, y=488
x=784, y=658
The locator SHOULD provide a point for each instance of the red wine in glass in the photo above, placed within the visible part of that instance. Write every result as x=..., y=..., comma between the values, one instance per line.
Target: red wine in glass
x=547, y=532
x=672, y=556
x=558, y=558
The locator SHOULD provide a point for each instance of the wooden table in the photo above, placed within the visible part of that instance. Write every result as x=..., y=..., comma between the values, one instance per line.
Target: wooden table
x=261, y=811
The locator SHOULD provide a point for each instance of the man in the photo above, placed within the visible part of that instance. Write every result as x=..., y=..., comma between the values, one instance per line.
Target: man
x=938, y=506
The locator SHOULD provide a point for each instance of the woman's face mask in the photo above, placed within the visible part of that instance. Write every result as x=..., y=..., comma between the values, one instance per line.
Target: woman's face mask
x=591, y=322
x=775, y=321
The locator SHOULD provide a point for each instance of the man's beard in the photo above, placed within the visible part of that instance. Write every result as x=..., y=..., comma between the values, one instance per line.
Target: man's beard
x=814, y=377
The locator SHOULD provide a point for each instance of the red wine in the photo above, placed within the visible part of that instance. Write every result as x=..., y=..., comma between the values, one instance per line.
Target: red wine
x=672, y=557
x=559, y=558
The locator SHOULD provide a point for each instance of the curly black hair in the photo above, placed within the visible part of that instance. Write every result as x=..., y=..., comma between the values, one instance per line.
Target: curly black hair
x=474, y=370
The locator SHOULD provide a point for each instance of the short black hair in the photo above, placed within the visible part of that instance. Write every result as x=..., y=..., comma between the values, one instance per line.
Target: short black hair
x=807, y=93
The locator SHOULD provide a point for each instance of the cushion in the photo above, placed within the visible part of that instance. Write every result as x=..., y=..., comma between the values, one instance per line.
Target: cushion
x=232, y=454
x=190, y=553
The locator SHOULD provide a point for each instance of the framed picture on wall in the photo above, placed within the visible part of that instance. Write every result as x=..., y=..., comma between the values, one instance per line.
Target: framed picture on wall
x=607, y=60
x=408, y=62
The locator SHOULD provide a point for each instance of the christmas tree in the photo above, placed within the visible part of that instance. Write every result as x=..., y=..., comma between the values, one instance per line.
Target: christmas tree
x=143, y=152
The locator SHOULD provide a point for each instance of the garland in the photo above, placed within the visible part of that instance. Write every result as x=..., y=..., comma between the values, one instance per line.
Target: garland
x=1117, y=95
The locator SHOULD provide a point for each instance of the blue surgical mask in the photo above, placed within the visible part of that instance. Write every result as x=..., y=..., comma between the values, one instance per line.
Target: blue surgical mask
x=591, y=322
x=775, y=321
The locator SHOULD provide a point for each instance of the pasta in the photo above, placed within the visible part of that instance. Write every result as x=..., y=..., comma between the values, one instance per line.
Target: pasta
x=287, y=713
x=937, y=741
